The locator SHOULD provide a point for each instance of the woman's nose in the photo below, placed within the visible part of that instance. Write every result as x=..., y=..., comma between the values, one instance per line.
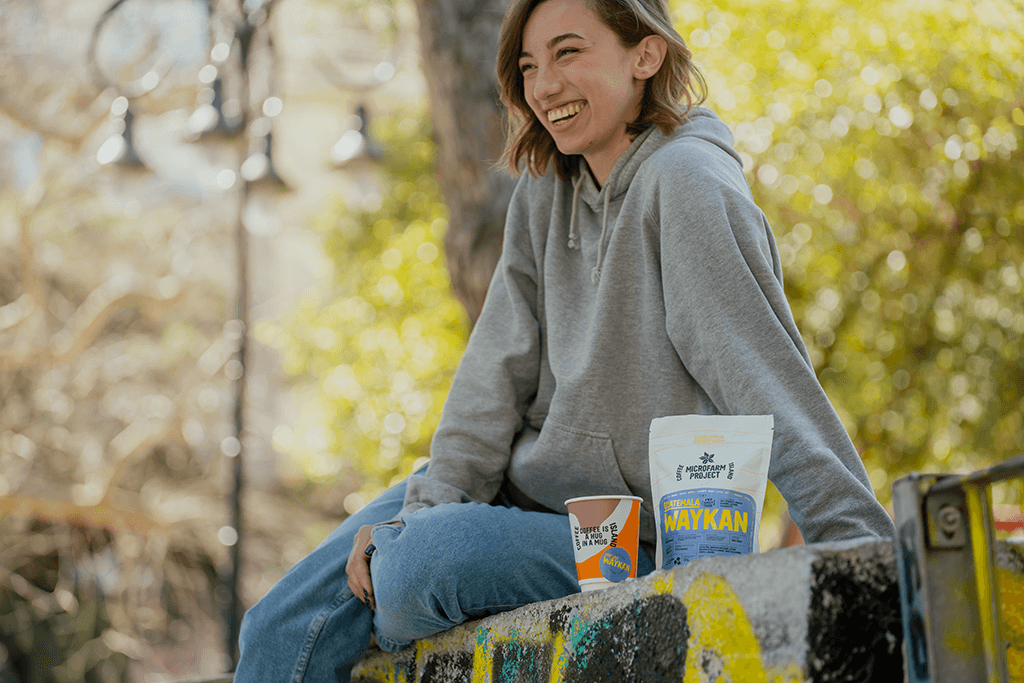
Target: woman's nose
x=546, y=84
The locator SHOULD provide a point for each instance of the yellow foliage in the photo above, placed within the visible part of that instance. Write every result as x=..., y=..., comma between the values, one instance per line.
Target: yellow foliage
x=884, y=141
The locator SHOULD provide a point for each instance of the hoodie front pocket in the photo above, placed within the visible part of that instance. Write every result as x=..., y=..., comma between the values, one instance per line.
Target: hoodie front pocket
x=567, y=462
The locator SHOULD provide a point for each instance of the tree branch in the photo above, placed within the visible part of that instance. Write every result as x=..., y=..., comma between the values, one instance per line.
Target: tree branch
x=76, y=129
x=99, y=516
x=134, y=445
x=30, y=275
x=79, y=340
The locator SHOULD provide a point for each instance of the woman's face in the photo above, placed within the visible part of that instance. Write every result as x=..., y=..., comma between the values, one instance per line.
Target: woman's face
x=580, y=82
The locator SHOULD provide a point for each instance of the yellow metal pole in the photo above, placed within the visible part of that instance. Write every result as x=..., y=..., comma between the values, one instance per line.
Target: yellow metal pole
x=979, y=513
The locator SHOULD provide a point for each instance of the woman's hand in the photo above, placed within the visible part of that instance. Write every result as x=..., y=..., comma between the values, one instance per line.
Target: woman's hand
x=358, y=567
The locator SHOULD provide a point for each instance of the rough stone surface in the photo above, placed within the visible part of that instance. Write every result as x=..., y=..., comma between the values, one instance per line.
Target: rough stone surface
x=827, y=612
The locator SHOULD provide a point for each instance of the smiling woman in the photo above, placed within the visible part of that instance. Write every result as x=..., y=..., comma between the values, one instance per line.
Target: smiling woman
x=666, y=299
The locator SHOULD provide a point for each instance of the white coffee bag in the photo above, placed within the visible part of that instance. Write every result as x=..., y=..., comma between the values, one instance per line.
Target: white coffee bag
x=708, y=477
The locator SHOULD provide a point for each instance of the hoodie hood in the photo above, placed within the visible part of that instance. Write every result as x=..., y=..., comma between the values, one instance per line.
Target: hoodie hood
x=700, y=123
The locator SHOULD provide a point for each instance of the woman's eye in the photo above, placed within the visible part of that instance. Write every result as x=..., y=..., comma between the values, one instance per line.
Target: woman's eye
x=567, y=50
x=523, y=68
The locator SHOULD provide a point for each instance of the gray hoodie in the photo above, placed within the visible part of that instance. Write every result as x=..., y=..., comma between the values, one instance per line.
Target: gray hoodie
x=658, y=294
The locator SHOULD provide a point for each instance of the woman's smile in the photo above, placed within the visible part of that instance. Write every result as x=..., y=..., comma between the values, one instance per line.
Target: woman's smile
x=562, y=115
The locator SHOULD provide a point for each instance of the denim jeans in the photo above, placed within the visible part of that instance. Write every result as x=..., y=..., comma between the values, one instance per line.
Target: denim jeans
x=448, y=564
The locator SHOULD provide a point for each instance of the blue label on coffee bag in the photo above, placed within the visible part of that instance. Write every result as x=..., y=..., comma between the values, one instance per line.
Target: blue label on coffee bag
x=703, y=522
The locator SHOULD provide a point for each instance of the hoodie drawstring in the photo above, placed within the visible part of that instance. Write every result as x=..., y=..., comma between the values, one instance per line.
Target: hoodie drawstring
x=573, y=236
x=595, y=274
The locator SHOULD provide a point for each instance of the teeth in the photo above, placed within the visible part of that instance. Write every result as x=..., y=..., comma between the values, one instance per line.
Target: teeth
x=558, y=114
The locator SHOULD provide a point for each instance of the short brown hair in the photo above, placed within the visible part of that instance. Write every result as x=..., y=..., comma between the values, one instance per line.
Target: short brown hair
x=668, y=95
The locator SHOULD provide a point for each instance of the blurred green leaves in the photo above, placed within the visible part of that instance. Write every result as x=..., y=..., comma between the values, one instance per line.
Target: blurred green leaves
x=379, y=346
x=884, y=142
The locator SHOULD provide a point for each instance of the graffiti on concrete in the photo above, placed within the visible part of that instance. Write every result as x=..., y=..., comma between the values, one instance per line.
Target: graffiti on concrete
x=706, y=635
x=855, y=607
x=693, y=632
x=615, y=647
x=722, y=644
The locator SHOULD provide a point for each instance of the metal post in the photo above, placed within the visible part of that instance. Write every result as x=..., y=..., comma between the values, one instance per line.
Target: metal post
x=233, y=618
x=235, y=607
x=253, y=19
x=949, y=592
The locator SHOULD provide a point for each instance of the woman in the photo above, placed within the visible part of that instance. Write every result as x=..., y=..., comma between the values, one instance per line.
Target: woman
x=637, y=279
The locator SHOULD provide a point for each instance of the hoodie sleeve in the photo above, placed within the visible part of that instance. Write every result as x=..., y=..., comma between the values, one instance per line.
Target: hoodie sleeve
x=494, y=383
x=730, y=322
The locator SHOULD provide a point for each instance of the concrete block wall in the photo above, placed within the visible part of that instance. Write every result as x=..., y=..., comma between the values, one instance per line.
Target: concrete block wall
x=827, y=612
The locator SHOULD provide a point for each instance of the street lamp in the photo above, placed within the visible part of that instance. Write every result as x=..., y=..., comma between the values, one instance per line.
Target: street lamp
x=363, y=67
x=119, y=147
x=356, y=143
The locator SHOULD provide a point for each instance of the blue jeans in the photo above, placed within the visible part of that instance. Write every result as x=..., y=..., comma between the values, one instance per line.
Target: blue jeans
x=448, y=564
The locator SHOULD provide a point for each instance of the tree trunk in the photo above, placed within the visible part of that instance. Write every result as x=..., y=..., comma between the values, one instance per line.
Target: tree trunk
x=460, y=42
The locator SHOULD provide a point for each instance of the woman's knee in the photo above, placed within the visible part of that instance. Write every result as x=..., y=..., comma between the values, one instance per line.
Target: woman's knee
x=418, y=575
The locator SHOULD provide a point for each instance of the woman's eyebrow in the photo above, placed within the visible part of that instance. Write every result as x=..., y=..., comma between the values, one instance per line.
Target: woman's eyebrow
x=554, y=41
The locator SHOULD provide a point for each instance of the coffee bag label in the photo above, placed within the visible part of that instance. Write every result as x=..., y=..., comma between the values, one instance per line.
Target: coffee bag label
x=708, y=476
x=701, y=522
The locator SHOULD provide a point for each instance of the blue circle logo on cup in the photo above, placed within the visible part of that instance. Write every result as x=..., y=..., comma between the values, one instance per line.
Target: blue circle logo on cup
x=615, y=564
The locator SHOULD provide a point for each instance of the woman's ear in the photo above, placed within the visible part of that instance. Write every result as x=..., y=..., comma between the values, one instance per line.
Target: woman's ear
x=650, y=55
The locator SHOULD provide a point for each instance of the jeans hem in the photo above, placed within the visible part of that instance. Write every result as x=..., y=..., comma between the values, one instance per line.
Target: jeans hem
x=389, y=645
